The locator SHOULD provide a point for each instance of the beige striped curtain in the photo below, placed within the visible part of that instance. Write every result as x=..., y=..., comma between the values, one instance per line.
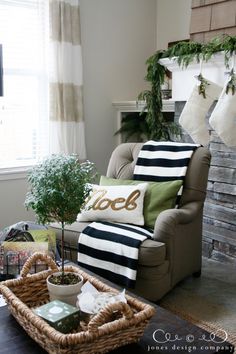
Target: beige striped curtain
x=66, y=79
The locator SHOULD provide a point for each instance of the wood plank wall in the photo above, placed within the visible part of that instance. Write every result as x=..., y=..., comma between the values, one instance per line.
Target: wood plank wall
x=210, y=18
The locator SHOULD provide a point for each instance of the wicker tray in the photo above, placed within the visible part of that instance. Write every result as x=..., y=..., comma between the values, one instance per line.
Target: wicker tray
x=102, y=333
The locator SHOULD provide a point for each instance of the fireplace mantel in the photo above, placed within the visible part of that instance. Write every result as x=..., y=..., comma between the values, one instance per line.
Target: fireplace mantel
x=123, y=107
x=183, y=79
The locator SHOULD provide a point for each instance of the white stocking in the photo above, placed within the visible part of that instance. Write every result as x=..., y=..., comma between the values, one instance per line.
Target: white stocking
x=193, y=116
x=223, y=118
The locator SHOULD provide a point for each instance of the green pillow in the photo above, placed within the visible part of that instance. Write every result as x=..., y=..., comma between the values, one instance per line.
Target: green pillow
x=158, y=197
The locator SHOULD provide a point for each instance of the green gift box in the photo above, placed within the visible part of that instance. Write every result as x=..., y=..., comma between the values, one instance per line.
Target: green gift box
x=61, y=316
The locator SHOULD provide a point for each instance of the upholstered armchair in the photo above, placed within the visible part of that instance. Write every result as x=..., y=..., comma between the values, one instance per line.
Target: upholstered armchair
x=175, y=251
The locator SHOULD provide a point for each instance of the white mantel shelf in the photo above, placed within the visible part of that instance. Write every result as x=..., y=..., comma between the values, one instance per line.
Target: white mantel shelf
x=183, y=78
x=137, y=106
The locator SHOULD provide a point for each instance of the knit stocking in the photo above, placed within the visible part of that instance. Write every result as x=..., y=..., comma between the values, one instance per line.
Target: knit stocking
x=223, y=117
x=192, y=118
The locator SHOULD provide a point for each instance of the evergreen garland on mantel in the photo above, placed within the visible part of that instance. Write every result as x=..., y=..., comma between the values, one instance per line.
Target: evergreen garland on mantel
x=184, y=53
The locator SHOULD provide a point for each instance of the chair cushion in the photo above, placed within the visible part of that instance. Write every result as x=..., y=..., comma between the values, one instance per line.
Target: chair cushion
x=151, y=253
x=158, y=197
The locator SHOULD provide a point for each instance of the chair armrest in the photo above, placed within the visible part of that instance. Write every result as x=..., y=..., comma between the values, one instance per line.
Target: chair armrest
x=168, y=220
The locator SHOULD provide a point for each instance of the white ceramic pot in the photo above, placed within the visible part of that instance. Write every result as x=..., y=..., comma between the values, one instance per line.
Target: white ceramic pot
x=65, y=293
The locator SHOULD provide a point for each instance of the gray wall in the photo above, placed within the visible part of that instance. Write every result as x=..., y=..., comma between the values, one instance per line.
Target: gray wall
x=117, y=38
x=173, y=21
x=12, y=197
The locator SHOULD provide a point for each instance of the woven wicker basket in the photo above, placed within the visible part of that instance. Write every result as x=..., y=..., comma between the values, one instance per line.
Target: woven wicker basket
x=101, y=335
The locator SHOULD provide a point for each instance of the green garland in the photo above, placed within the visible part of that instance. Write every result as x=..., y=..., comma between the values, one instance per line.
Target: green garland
x=184, y=53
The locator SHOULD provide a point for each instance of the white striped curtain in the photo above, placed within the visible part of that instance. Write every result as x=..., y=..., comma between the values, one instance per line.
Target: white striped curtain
x=66, y=79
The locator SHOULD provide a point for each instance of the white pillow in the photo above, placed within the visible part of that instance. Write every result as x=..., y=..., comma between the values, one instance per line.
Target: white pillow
x=115, y=203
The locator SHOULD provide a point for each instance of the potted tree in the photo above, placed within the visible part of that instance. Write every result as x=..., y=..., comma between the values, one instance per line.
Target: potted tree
x=58, y=189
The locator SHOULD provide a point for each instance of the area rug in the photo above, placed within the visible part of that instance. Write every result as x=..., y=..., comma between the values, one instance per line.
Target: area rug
x=212, y=317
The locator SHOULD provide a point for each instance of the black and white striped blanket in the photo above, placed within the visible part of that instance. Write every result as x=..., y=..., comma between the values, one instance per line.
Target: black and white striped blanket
x=163, y=161
x=111, y=249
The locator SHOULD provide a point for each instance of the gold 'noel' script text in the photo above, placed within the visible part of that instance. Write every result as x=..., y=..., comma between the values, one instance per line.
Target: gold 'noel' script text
x=102, y=203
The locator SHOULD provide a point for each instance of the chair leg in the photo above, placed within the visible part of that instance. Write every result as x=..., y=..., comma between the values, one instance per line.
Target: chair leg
x=197, y=274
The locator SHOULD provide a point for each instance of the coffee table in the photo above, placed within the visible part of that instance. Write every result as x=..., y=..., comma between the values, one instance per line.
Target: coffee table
x=165, y=333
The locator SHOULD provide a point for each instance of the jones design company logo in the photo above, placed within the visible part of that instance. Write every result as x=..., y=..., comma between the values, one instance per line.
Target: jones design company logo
x=166, y=341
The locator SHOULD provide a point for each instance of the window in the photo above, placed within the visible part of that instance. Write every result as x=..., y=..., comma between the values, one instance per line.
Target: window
x=24, y=106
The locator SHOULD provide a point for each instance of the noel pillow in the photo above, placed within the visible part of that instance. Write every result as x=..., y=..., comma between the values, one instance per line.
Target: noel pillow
x=115, y=203
x=159, y=196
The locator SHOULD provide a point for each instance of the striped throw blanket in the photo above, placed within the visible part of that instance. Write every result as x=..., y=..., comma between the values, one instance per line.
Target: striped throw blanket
x=163, y=161
x=111, y=249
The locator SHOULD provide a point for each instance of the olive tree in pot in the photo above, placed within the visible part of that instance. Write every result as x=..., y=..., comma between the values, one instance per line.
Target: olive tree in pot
x=58, y=189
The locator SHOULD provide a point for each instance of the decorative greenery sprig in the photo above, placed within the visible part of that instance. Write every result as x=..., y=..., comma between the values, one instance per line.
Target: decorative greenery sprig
x=203, y=83
x=225, y=43
x=184, y=53
x=158, y=128
x=231, y=85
